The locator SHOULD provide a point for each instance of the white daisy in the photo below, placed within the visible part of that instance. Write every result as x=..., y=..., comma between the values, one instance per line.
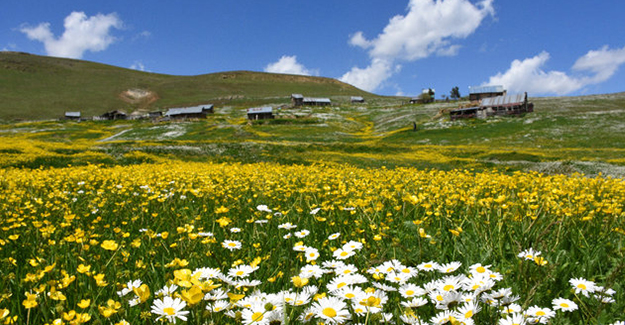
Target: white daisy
x=170, y=308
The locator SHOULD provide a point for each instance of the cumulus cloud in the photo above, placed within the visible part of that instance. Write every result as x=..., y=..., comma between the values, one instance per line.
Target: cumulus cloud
x=289, y=65
x=138, y=65
x=428, y=28
x=528, y=75
x=81, y=34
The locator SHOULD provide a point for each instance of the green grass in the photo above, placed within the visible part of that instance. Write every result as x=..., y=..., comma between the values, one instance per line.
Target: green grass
x=34, y=88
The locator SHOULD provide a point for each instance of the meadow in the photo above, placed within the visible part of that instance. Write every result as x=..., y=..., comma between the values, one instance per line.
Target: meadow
x=334, y=215
x=230, y=243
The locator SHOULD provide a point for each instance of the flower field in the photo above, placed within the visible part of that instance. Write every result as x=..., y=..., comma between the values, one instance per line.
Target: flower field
x=229, y=243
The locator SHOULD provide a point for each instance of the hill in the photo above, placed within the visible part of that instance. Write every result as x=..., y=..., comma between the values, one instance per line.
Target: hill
x=36, y=87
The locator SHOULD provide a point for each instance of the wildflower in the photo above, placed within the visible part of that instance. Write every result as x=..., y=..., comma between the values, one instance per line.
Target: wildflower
x=334, y=236
x=564, y=304
x=309, y=271
x=314, y=211
x=331, y=309
x=529, y=254
x=242, y=271
x=449, y=267
x=541, y=315
x=256, y=314
x=109, y=245
x=235, y=230
x=311, y=254
x=287, y=226
x=582, y=286
x=30, y=301
x=170, y=309
x=343, y=254
x=84, y=303
x=110, y=308
x=410, y=290
x=263, y=208
x=167, y=290
x=301, y=234
x=352, y=245
x=428, y=266
x=513, y=319
x=231, y=244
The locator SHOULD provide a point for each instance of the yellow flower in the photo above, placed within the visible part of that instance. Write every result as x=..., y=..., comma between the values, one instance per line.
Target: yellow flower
x=99, y=278
x=143, y=292
x=111, y=308
x=83, y=268
x=84, y=303
x=221, y=209
x=299, y=282
x=30, y=301
x=109, y=245
x=193, y=295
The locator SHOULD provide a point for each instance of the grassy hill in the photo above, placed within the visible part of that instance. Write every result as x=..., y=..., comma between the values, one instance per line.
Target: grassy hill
x=35, y=87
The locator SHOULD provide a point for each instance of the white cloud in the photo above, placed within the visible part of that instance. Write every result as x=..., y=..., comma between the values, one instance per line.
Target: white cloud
x=138, y=65
x=289, y=65
x=428, y=28
x=603, y=63
x=81, y=34
x=370, y=77
x=528, y=75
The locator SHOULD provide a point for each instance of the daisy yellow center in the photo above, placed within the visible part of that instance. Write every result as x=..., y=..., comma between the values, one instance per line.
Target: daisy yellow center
x=405, y=271
x=480, y=269
x=475, y=287
x=344, y=254
x=329, y=312
x=448, y=287
x=564, y=304
x=529, y=256
x=439, y=298
x=540, y=313
x=451, y=269
x=239, y=273
x=428, y=266
x=232, y=244
x=347, y=271
x=409, y=292
x=468, y=314
x=169, y=311
x=340, y=285
x=581, y=286
x=257, y=316
x=350, y=295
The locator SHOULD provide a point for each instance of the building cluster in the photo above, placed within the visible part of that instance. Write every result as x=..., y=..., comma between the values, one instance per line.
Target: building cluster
x=491, y=101
x=201, y=111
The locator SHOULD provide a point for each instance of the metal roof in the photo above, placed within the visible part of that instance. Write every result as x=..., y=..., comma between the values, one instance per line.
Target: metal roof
x=72, y=114
x=317, y=100
x=466, y=109
x=298, y=96
x=188, y=110
x=260, y=110
x=508, y=100
x=486, y=89
x=357, y=98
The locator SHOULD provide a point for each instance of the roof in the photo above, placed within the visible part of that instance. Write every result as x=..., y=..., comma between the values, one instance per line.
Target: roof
x=72, y=114
x=260, y=110
x=189, y=110
x=317, y=100
x=465, y=109
x=357, y=98
x=486, y=89
x=298, y=96
x=508, y=100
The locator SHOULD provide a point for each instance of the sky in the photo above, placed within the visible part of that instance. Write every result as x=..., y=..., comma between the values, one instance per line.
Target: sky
x=396, y=47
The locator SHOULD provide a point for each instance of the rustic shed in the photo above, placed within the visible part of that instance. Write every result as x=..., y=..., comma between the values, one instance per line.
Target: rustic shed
x=114, y=115
x=357, y=99
x=260, y=113
x=72, y=116
x=311, y=101
x=297, y=99
x=190, y=112
x=479, y=92
x=506, y=105
x=462, y=113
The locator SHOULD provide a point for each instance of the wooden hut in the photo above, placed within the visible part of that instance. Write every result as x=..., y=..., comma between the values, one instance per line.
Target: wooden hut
x=260, y=113
x=190, y=112
x=477, y=93
x=297, y=99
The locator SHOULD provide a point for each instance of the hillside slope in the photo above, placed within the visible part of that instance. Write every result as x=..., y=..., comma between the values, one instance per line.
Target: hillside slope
x=36, y=87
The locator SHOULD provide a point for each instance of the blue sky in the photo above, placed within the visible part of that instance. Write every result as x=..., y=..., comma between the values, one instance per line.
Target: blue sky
x=393, y=47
